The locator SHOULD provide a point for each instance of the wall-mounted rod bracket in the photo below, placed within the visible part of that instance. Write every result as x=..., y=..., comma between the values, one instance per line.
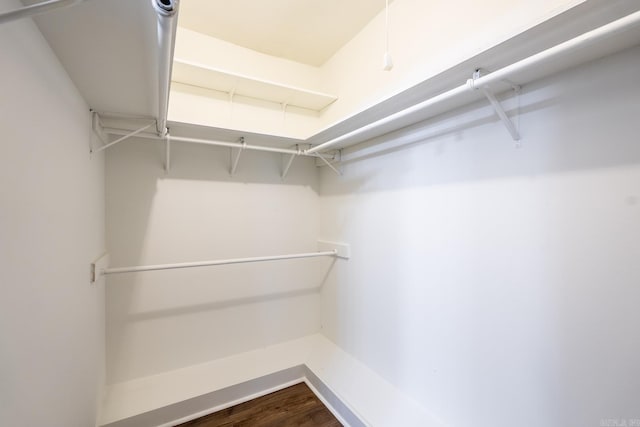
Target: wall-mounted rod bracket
x=97, y=267
x=497, y=107
x=235, y=156
x=342, y=250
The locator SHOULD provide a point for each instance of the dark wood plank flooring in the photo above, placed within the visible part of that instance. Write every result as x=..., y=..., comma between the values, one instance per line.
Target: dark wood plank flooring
x=292, y=406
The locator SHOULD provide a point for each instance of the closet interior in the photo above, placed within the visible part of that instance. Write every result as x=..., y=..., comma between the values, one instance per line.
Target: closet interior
x=426, y=211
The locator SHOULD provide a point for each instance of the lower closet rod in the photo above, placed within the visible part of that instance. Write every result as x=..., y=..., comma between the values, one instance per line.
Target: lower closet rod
x=118, y=270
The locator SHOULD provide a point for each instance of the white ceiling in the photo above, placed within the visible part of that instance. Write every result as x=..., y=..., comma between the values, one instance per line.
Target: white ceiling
x=306, y=31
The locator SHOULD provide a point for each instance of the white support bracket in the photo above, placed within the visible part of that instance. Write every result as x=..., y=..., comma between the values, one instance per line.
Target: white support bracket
x=342, y=250
x=97, y=267
x=502, y=114
x=98, y=128
x=330, y=165
x=167, y=152
x=497, y=107
x=287, y=160
x=235, y=156
x=119, y=140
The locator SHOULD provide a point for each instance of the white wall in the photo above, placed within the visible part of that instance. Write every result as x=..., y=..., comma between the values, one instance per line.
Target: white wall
x=51, y=228
x=159, y=321
x=499, y=286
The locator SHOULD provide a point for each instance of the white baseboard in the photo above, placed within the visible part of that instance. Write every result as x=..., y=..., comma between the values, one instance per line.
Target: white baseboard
x=347, y=416
x=245, y=397
x=229, y=404
x=352, y=392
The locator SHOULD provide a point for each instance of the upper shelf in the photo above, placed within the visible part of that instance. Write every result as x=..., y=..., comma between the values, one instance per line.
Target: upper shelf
x=195, y=74
x=558, y=44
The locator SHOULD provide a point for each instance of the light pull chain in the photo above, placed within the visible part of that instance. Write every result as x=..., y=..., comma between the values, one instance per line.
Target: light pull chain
x=387, y=61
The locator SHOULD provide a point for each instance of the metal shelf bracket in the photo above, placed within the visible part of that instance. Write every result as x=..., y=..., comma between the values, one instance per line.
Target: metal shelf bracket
x=235, y=156
x=287, y=161
x=326, y=162
x=96, y=124
x=497, y=107
x=98, y=129
x=167, y=152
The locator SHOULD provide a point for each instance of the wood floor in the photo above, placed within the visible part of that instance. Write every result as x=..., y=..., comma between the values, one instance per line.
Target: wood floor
x=292, y=406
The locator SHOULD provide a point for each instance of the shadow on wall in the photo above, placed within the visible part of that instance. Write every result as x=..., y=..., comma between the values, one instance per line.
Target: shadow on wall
x=257, y=296
x=199, y=212
x=220, y=305
x=441, y=152
x=265, y=296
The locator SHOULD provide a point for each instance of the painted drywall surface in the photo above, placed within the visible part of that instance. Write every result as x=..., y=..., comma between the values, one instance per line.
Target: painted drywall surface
x=165, y=320
x=498, y=286
x=51, y=228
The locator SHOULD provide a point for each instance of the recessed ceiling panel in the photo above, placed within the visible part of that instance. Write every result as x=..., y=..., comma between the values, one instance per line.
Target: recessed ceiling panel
x=306, y=31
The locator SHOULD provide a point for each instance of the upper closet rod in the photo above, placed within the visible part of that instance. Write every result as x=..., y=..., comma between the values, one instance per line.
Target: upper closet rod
x=238, y=145
x=36, y=9
x=167, y=22
x=581, y=41
x=244, y=146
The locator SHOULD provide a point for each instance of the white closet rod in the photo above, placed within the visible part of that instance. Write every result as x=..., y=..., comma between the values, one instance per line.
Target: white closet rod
x=249, y=147
x=36, y=9
x=579, y=42
x=237, y=145
x=118, y=270
x=167, y=11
